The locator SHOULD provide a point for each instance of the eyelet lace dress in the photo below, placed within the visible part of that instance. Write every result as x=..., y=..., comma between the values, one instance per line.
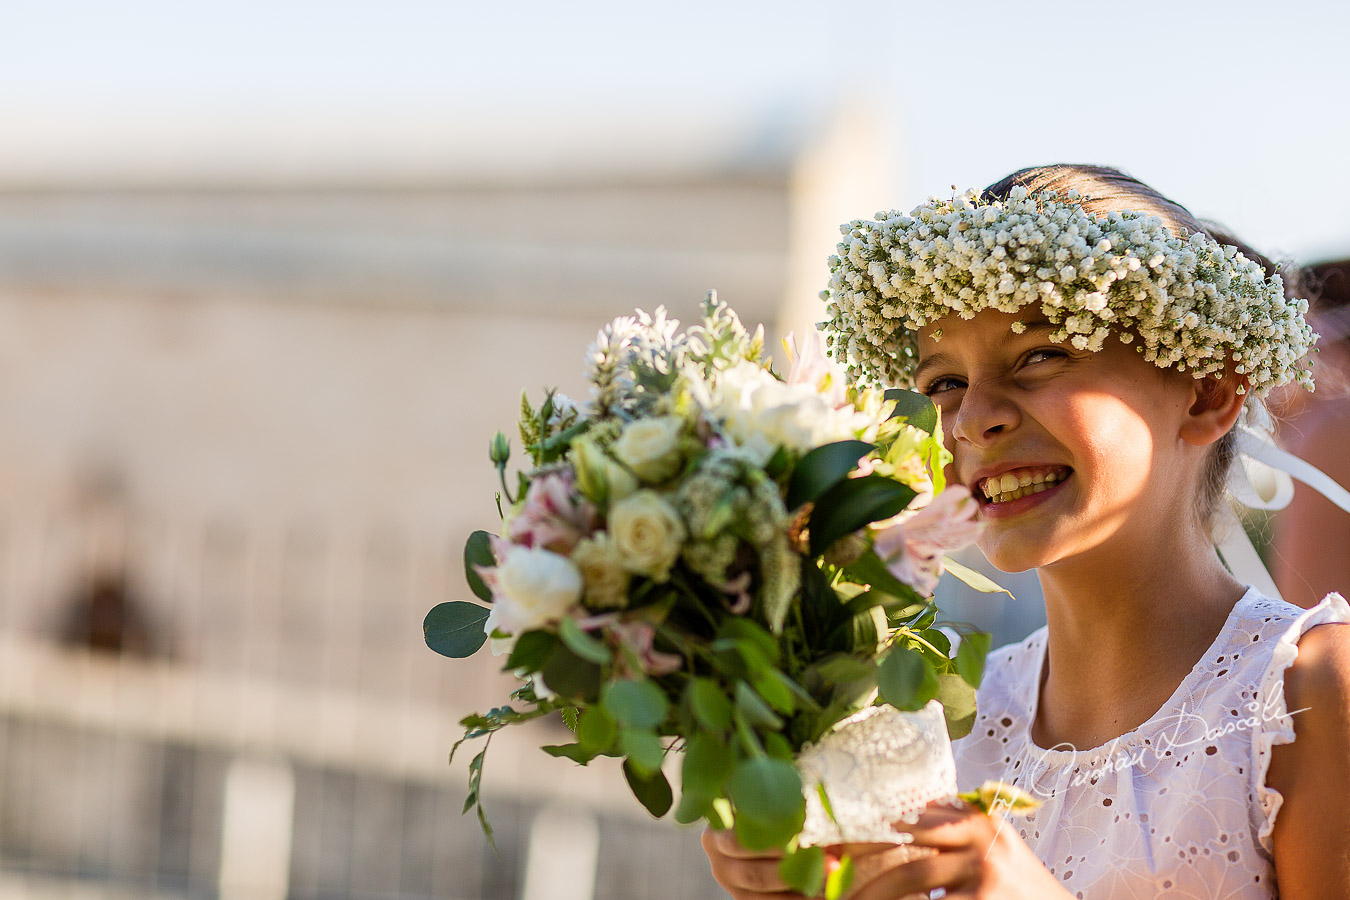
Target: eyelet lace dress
x=1176, y=808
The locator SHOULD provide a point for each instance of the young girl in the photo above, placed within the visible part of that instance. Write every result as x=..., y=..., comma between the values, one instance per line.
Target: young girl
x=1188, y=737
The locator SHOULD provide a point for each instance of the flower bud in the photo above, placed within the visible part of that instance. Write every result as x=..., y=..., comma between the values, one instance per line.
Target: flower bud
x=499, y=451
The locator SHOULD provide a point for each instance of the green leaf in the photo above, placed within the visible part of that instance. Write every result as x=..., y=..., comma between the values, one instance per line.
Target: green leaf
x=643, y=749
x=596, y=730
x=709, y=703
x=823, y=468
x=853, y=503
x=569, y=717
x=740, y=630
x=766, y=790
x=581, y=643
x=532, y=650
x=756, y=834
x=755, y=710
x=707, y=763
x=970, y=656
x=914, y=408
x=770, y=685
x=958, y=704
x=478, y=552
x=570, y=676
x=870, y=570
x=940, y=641
x=575, y=752
x=455, y=629
x=652, y=790
x=972, y=578
x=840, y=880
x=905, y=679
x=803, y=870
x=640, y=704
x=692, y=807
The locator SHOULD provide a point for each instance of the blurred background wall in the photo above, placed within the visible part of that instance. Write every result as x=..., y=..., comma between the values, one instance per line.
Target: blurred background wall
x=271, y=276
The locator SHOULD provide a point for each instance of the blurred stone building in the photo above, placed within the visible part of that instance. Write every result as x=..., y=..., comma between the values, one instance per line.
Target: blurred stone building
x=245, y=430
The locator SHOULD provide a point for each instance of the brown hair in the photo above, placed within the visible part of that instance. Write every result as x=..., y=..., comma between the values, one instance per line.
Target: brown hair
x=1105, y=190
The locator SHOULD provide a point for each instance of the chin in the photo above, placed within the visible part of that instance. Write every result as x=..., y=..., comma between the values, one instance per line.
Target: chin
x=1012, y=557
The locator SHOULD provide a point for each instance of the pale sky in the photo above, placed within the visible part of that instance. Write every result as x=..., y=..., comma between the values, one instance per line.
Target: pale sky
x=1237, y=109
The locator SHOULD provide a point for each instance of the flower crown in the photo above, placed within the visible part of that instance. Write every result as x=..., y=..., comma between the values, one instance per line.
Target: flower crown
x=1193, y=303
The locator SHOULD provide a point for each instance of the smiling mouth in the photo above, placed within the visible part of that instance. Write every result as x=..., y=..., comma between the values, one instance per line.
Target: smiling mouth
x=1021, y=483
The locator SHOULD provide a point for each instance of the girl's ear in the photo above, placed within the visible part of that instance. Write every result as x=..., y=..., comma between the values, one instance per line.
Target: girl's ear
x=1216, y=402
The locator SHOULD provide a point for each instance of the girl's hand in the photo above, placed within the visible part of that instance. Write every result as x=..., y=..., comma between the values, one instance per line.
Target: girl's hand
x=978, y=856
x=744, y=874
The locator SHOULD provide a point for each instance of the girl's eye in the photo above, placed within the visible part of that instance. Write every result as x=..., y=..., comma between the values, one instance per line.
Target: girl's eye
x=1042, y=354
x=942, y=384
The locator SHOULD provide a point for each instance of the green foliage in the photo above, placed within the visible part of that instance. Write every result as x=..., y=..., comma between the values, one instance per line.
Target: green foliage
x=478, y=552
x=905, y=679
x=823, y=468
x=767, y=795
x=640, y=704
x=581, y=643
x=651, y=789
x=803, y=870
x=851, y=505
x=914, y=408
x=970, y=656
x=532, y=649
x=455, y=629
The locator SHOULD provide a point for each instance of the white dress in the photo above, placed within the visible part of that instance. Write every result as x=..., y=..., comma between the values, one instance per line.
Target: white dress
x=1176, y=808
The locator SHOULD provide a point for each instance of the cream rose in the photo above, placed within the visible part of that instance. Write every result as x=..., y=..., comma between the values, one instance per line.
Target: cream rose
x=651, y=447
x=533, y=587
x=648, y=533
x=599, y=477
x=603, y=572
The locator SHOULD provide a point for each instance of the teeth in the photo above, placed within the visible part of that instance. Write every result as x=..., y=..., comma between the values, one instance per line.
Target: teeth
x=1006, y=487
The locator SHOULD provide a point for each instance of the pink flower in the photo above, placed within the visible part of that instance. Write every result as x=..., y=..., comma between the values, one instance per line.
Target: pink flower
x=810, y=366
x=912, y=547
x=638, y=637
x=553, y=517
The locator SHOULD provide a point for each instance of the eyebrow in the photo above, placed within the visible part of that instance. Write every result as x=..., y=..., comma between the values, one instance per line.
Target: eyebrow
x=941, y=359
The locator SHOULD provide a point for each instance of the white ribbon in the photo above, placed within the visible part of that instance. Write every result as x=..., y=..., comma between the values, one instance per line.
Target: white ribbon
x=1263, y=479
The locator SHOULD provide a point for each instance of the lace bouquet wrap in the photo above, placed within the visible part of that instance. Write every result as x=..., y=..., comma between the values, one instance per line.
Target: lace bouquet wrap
x=709, y=567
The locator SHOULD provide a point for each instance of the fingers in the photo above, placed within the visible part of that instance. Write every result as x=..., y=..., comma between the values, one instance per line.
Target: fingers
x=875, y=880
x=746, y=874
x=946, y=828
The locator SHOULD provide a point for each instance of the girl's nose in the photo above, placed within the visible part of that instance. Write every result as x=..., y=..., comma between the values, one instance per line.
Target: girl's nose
x=985, y=413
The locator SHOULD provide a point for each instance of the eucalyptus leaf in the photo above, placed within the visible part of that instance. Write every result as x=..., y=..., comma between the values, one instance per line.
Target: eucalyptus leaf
x=709, y=704
x=757, y=834
x=707, y=763
x=455, y=629
x=581, y=643
x=766, y=790
x=803, y=870
x=905, y=679
x=570, y=676
x=640, y=704
x=531, y=651
x=914, y=408
x=596, y=729
x=575, y=752
x=852, y=504
x=478, y=552
x=754, y=709
x=643, y=749
x=651, y=789
x=970, y=656
x=823, y=468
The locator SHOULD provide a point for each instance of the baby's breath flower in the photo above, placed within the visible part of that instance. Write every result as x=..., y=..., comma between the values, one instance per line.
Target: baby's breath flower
x=1194, y=303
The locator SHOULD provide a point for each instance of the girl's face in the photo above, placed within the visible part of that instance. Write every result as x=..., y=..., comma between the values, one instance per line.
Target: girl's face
x=1071, y=453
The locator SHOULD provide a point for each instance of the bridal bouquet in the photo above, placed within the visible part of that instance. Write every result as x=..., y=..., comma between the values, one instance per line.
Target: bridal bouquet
x=718, y=561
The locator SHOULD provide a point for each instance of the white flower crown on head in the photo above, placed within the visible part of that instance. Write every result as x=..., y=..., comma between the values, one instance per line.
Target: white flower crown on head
x=1193, y=303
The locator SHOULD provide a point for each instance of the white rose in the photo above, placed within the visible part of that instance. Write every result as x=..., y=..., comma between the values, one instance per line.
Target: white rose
x=534, y=587
x=651, y=447
x=603, y=571
x=648, y=533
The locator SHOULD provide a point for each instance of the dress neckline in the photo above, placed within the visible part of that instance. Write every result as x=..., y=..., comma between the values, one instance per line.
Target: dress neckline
x=1182, y=691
